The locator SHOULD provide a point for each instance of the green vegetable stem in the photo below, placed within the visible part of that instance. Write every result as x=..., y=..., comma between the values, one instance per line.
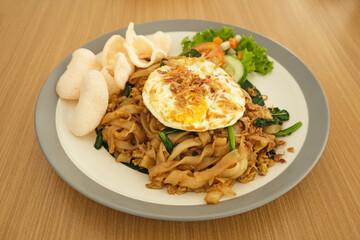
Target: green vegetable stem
x=231, y=138
x=289, y=130
x=98, y=142
x=166, y=140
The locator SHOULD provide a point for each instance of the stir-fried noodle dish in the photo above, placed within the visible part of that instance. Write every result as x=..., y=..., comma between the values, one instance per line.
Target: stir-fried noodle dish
x=192, y=122
x=200, y=161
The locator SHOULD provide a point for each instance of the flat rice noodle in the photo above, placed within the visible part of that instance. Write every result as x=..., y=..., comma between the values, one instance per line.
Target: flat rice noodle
x=192, y=183
x=121, y=124
x=143, y=72
x=206, y=162
x=237, y=128
x=123, y=158
x=208, y=150
x=147, y=162
x=241, y=166
x=126, y=110
x=228, y=160
x=126, y=101
x=110, y=137
x=155, y=185
x=161, y=154
x=144, y=122
x=134, y=129
x=204, y=137
x=175, y=137
x=167, y=166
x=220, y=142
x=131, y=109
x=221, y=150
x=151, y=152
x=213, y=197
x=138, y=133
x=122, y=135
x=246, y=123
x=261, y=142
x=235, y=171
x=217, y=191
x=155, y=125
x=124, y=145
x=155, y=142
x=176, y=176
x=183, y=146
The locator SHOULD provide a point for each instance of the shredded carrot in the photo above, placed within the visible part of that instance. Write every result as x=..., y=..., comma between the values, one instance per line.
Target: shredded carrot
x=239, y=56
x=217, y=40
x=233, y=42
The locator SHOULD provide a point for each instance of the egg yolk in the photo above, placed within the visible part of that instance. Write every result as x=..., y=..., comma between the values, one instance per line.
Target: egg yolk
x=193, y=114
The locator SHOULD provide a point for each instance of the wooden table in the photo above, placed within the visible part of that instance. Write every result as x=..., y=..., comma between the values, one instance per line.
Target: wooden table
x=35, y=203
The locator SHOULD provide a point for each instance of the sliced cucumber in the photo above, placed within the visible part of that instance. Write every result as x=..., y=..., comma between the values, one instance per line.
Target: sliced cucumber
x=235, y=68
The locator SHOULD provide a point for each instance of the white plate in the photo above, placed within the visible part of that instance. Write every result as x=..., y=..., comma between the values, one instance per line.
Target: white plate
x=95, y=173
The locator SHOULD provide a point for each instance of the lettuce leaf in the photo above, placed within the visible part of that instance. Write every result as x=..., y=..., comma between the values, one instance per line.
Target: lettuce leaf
x=206, y=36
x=254, y=56
x=248, y=61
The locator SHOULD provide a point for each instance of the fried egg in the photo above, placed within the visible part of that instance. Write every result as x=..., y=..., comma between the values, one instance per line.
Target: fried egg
x=193, y=94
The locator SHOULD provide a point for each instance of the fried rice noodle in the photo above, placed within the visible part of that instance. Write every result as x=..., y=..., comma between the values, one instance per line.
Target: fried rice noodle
x=199, y=162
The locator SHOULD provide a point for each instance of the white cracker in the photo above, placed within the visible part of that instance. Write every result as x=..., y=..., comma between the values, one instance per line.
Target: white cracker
x=122, y=70
x=112, y=86
x=92, y=104
x=83, y=60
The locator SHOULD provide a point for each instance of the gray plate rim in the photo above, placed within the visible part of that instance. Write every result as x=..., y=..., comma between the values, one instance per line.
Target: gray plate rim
x=315, y=142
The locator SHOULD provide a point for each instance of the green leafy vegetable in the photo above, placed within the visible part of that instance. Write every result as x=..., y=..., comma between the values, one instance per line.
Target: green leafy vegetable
x=231, y=138
x=99, y=137
x=256, y=99
x=261, y=122
x=248, y=61
x=289, y=130
x=254, y=56
x=243, y=78
x=127, y=91
x=162, y=61
x=192, y=53
x=206, y=36
x=272, y=152
x=171, y=130
x=166, y=140
x=279, y=116
x=136, y=167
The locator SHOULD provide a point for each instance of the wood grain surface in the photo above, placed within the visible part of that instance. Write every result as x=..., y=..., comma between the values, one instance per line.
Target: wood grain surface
x=35, y=203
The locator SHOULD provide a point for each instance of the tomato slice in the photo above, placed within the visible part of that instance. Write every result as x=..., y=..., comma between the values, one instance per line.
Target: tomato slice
x=211, y=51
